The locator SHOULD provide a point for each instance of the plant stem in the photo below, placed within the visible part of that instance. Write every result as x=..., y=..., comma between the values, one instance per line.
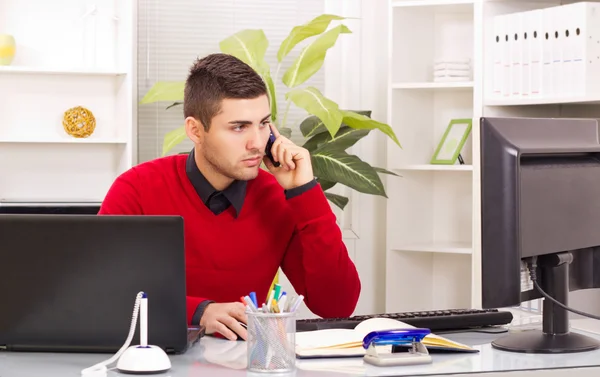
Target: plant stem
x=287, y=109
x=277, y=73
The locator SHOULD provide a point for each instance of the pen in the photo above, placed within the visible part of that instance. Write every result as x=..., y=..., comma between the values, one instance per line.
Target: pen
x=250, y=304
x=277, y=290
x=253, y=298
x=281, y=302
x=297, y=303
x=144, y=320
x=270, y=299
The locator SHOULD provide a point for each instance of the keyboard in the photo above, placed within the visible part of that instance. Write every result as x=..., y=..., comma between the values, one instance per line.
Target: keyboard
x=435, y=320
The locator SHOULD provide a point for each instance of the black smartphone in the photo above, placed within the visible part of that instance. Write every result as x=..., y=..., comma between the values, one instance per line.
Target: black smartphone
x=268, y=149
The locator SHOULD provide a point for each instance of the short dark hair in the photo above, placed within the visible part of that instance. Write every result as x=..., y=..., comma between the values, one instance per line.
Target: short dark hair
x=216, y=77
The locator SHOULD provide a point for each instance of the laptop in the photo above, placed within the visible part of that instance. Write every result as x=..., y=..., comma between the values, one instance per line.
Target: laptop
x=69, y=282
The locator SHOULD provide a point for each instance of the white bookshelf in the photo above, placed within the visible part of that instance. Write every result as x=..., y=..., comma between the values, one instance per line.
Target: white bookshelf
x=65, y=58
x=433, y=251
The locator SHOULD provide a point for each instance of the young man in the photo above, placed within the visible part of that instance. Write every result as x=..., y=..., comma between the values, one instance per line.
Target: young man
x=241, y=222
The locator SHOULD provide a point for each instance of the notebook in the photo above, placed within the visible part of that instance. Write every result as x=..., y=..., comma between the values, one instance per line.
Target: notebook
x=348, y=343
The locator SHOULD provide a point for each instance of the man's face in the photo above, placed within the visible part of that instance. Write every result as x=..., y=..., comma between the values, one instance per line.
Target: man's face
x=235, y=142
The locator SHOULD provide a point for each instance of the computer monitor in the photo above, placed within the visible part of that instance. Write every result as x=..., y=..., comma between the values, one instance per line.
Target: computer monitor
x=540, y=211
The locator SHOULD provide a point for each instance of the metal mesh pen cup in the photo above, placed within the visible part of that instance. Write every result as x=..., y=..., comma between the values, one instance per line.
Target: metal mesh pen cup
x=271, y=342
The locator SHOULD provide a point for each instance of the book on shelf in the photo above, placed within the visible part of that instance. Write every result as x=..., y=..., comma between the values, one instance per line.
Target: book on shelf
x=349, y=342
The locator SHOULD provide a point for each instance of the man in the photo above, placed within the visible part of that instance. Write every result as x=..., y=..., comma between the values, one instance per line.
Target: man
x=241, y=222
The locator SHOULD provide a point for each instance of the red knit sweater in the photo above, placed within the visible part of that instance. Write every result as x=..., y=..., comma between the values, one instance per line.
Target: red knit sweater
x=228, y=257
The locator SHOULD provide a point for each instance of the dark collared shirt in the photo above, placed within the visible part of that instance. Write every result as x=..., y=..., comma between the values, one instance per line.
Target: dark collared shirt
x=219, y=201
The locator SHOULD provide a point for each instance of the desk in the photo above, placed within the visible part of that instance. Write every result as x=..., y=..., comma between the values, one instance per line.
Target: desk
x=220, y=358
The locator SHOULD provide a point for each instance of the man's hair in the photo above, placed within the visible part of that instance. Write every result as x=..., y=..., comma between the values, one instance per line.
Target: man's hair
x=214, y=78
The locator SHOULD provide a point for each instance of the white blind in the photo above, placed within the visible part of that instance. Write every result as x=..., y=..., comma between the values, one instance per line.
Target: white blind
x=173, y=33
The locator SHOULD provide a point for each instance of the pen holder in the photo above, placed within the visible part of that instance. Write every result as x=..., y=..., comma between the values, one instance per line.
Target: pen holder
x=271, y=342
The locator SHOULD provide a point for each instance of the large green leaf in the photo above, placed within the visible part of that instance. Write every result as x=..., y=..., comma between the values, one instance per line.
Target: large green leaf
x=285, y=131
x=172, y=138
x=250, y=46
x=325, y=185
x=299, y=33
x=315, y=103
x=385, y=171
x=339, y=166
x=336, y=199
x=312, y=57
x=164, y=91
x=362, y=122
x=312, y=125
x=344, y=139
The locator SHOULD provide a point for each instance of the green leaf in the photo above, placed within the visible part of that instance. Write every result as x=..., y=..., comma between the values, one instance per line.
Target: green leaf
x=336, y=199
x=339, y=166
x=250, y=46
x=384, y=171
x=285, y=131
x=299, y=33
x=164, y=91
x=312, y=57
x=172, y=138
x=344, y=139
x=272, y=93
x=315, y=103
x=313, y=125
x=325, y=185
x=362, y=122
x=174, y=104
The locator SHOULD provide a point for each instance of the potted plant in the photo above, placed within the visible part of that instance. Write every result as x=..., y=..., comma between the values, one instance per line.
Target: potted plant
x=329, y=129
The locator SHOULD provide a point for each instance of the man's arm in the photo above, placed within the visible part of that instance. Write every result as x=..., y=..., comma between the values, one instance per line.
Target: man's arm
x=317, y=262
x=123, y=198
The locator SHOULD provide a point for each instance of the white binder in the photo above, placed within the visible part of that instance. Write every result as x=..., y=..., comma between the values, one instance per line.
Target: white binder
x=515, y=36
x=547, y=52
x=497, y=42
x=534, y=47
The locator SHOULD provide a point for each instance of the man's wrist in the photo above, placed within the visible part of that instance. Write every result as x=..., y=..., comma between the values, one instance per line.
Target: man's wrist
x=293, y=192
x=197, y=317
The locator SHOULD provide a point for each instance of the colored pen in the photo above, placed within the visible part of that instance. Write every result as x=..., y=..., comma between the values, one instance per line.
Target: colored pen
x=277, y=290
x=281, y=302
x=270, y=299
x=250, y=304
x=144, y=320
x=253, y=298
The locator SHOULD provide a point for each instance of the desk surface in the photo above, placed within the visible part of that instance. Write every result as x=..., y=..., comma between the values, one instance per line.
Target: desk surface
x=220, y=358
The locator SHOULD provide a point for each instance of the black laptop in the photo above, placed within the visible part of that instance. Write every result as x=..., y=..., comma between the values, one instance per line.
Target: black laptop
x=68, y=283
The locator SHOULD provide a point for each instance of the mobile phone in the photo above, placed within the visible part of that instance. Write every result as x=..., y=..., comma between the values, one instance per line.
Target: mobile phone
x=268, y=149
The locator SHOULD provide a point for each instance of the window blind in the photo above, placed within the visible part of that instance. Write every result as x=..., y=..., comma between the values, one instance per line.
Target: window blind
x=173, y=33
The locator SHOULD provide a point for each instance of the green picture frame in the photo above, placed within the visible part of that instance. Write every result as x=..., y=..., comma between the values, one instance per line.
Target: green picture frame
x=452, y=142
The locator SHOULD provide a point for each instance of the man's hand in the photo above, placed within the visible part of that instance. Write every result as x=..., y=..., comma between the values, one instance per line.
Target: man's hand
x=223, y=318
x=295, y=169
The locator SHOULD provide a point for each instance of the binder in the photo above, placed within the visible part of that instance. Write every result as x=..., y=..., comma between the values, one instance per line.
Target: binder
x=558, y=30
x=547, y=52
x=497, y=50
x=534, y=47
x=516, y=54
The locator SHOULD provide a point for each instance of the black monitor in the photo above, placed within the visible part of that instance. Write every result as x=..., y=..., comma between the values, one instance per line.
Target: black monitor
x=540, y=213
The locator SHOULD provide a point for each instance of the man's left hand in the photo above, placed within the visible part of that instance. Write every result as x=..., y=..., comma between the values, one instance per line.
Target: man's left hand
x=295, y=166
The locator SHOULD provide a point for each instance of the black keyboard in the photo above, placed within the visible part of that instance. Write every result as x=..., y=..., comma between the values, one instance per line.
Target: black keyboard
x=435, y=320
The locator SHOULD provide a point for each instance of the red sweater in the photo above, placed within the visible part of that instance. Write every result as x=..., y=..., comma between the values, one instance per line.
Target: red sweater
x=228, y=257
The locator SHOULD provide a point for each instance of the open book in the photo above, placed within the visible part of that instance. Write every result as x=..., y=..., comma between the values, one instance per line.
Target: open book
x=348, y=343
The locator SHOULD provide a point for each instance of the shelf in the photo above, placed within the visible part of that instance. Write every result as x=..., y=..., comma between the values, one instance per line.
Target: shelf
x=441, y=247
x=431, y=167
x=58, y=71
x=448, y=6
x=63, y=141
x=434, y=85
x=592, y=100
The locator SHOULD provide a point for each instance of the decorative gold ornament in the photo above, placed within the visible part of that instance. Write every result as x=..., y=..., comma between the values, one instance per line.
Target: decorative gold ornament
x=79, y=122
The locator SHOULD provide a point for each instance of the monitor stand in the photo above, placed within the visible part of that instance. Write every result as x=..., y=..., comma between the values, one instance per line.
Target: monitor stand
x=554, y=336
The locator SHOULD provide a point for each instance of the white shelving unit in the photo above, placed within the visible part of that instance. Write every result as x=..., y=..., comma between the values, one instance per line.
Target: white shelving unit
x=433, y=251
x=68, y=53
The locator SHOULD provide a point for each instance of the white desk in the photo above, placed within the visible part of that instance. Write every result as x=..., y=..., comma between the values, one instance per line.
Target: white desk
x=220, y=358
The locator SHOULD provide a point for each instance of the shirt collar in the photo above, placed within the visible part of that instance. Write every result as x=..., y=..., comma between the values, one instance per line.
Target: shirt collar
x=234, y=193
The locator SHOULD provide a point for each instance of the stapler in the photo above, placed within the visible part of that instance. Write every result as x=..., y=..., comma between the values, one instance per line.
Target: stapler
x=417, y=353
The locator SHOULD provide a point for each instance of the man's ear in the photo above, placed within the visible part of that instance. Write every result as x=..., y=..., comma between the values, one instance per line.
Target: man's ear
x=194, y=130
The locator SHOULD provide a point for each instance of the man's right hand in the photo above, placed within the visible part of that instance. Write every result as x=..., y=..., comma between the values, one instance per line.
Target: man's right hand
x=223, y=318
